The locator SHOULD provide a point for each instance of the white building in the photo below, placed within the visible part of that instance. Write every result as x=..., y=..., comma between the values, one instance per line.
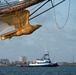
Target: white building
x=21, y=0
x=22, y=59
x=4, y=61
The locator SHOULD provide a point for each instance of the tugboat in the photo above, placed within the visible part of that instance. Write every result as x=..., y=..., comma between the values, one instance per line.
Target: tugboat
x=44, y=62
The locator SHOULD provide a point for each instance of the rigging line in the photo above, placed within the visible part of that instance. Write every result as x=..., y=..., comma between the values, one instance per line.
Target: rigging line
x=46, y=10
x=39, y=7
x=66, y=18
x=51, y=2
x=7, y=3
x=35, y=7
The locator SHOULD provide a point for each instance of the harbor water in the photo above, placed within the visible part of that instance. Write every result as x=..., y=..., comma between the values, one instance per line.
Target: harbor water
x=61, y=70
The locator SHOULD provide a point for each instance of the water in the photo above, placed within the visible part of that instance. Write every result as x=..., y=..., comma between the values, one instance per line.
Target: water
x=61, y=70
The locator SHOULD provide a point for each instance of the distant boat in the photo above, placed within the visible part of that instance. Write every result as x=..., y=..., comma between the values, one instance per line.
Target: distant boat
x=44, y=62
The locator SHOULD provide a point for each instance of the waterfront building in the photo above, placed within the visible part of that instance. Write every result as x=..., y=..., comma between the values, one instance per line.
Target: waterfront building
x=22, y=59
x=17, y=62
x=21, y=0
x=4, y=61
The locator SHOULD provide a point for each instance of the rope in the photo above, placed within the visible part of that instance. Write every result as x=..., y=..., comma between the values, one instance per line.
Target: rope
x=66, y=18
x=39, y=8
x=46, y=10
x=35, y=7
x=7, y=3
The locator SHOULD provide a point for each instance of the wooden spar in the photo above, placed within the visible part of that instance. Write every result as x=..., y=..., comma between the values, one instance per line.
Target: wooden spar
x=19, y=6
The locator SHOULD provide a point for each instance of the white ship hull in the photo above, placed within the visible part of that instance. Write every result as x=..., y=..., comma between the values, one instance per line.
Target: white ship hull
x=39, y=64
x=43, y=65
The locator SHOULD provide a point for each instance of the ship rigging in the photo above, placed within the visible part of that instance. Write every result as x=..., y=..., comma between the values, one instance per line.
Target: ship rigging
x=9, y=7
x=15, y=13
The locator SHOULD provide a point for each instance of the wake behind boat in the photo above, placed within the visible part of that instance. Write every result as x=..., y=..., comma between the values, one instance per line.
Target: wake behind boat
x=44, y=62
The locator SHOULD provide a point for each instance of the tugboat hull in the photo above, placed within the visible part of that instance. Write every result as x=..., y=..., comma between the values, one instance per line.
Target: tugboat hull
x=50, y=65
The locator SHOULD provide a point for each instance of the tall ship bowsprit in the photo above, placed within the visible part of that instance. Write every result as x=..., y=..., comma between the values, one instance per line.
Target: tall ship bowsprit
x=44, y=62
x=7, y=6
x=14, y=13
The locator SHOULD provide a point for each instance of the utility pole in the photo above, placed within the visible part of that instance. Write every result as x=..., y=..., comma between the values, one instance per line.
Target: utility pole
x=73, y=58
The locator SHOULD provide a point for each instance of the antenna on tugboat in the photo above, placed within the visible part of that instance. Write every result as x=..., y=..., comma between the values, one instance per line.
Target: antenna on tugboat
x=45, y=49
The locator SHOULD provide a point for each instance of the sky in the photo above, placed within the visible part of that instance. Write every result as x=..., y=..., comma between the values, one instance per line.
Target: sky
x=61, y=43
